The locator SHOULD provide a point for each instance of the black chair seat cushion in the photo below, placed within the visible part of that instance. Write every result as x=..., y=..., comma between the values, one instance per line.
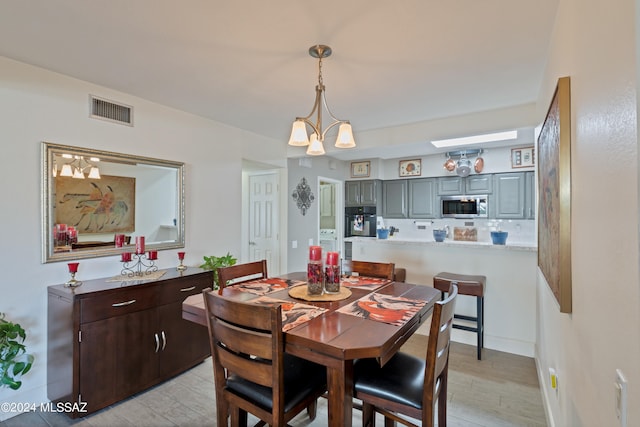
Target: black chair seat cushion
x=400, y=380
x=301, y=377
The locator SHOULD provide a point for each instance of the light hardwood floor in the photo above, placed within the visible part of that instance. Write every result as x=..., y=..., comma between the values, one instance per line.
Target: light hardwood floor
x=500, y=390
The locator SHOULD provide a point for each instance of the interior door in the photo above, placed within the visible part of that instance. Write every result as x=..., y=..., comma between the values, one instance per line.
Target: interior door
x=264, y=220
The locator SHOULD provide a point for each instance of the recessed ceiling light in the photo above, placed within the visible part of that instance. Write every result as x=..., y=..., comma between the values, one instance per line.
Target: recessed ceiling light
x=476, y=139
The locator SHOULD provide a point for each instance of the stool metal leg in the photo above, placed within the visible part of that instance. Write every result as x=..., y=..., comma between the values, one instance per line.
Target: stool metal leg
x=480, y=325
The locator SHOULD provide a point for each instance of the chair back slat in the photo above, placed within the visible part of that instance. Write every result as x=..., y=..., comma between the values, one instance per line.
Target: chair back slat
x=384, y=270
x=241, y=273
x=438, y=352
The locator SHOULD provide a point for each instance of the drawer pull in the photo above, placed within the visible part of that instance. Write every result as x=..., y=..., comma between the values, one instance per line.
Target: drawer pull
x=164, y=340
x=157, y=342
x=187, y=289
x=122, y=304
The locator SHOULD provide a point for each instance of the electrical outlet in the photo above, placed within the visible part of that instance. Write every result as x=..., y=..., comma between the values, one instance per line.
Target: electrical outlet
x=621, y=397
x=553, y=380
x=311, y=242
x=294, y=244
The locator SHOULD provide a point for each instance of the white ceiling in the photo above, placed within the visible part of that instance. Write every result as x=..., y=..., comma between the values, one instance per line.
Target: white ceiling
x=246, y=62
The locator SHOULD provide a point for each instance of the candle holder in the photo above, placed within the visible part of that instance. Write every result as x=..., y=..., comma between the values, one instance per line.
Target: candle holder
x=73, y=269
x=181, y=266
x=138, y=265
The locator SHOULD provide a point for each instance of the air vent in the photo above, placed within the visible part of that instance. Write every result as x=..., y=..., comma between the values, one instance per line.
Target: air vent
x=110, y=111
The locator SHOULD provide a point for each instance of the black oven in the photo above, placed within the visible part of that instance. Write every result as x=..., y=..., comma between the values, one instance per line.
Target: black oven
x=360, y=221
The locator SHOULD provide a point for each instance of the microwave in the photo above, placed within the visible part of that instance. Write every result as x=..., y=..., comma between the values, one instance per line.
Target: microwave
x=475, y=206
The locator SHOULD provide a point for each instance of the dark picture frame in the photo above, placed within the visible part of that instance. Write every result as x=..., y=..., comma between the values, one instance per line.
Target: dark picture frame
x=554, y=189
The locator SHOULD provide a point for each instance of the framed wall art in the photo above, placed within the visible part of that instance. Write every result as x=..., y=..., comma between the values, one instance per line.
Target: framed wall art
x=360, y=169
x=554, y=188
x=410, y=167
x=523, y=157
x=105, y=205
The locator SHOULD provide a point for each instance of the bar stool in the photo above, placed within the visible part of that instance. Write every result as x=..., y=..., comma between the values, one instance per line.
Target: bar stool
x=467, y=285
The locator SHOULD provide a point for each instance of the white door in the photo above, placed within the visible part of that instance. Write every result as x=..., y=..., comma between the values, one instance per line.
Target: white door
x=263, y=221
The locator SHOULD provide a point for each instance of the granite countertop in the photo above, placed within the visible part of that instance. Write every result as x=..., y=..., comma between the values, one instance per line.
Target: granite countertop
x=396, y=240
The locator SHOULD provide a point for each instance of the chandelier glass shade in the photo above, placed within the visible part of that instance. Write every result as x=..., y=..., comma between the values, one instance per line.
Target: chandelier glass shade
x=77, y=166
x=315, y=142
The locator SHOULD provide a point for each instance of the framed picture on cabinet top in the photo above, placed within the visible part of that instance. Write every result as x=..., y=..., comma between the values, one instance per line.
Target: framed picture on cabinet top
x=411, y=167
x=360, y=169
x=522, y=157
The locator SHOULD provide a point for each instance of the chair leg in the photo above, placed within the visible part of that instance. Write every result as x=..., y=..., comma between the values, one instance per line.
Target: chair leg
x=442, y=398
x=312, y=410
x=368, y=415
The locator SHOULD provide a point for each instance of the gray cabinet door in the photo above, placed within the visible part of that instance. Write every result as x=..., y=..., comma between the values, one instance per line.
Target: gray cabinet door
x=478, y=184
x=368, y=192
x=394, y=198
x=530, y=195
x=509, y=195
x=422, y=198
x=352, y=193
x=451, y=185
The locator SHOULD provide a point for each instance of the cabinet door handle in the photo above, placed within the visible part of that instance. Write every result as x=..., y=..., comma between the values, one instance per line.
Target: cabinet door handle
x=187, y=289
x=164, y=340
x=157, y=342
x=122, y=304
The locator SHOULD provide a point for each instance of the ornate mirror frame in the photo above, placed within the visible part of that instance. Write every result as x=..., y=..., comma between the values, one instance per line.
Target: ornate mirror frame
x=144, y=187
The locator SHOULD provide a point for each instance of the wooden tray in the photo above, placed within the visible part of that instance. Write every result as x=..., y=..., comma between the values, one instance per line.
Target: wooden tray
x=300, y=292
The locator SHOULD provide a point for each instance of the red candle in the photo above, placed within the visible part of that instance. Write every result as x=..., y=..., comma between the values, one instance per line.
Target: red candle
x=315, y=253
x=181, y=256
x=125, y=256
x=73, y=267
x=119, y=240
x=139, y=245
x=153, y=255
x=332, y=258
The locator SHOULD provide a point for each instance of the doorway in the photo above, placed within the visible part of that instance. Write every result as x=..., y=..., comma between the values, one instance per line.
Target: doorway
x=330, y=216
x=263, y=219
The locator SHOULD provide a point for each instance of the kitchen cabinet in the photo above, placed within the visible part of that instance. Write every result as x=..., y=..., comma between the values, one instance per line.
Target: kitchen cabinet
x=459, y=186
x=530, y=195
x=423, y=202
x=363, y=193
x=509, y=196
x=109, y=340
x=394, y=198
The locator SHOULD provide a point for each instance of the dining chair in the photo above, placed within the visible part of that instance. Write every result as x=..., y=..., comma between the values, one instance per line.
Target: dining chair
x=252, y=373
x=241, y=273
x=395, y=389
x=383, y=270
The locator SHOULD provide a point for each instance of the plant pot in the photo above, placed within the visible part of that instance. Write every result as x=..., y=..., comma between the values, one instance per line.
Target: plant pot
x=383, y=233
x=499, y=237
x=439, y=235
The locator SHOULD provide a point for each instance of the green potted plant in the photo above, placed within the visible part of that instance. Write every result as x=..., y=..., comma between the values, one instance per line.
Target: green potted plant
x=213, y=262
x=14, y=360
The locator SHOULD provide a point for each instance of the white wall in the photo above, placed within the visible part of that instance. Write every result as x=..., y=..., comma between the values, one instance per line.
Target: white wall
x=595, y=44
x=37, y=105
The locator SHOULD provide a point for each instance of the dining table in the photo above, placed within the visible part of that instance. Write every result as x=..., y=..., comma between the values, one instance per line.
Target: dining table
x=369, y=319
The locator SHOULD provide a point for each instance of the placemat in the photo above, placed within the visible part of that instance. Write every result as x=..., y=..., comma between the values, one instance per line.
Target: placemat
x=384, y=308
x=293, y=313
x=155, y=275
x=364, y=282
x=300, y=292
x=266, y=285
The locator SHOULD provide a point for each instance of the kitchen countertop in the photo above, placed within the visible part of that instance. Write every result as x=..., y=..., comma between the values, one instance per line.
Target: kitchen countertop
x=397, y=240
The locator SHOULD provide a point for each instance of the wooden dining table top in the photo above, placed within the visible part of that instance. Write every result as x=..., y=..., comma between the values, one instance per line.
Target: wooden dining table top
x=335, y=339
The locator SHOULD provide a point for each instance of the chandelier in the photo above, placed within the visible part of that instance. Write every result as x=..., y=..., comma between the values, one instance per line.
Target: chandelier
x=299, y=136
x=77, y=166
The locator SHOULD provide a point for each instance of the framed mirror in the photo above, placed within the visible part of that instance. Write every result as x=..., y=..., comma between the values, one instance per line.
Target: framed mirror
x=94, y=203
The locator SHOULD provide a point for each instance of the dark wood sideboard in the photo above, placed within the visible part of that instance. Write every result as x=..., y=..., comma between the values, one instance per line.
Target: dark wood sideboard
x=110, y=340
